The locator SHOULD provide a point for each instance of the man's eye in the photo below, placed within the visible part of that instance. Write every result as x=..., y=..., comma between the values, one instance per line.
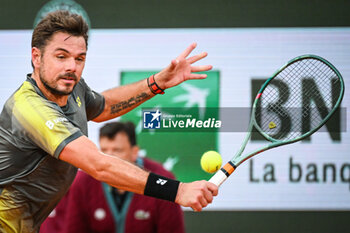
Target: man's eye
x=80, y=59
x=60, y=57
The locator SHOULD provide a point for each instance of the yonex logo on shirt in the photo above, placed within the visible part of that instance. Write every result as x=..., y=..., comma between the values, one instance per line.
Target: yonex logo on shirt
x=78, y=101
x=161, y=181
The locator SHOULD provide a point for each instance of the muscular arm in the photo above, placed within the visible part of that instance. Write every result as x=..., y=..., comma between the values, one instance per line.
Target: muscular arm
x=83, y=153
x=121, y=100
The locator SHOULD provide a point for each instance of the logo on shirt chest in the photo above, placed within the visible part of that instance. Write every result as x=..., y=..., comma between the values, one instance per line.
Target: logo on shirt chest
x=78, y=101
x=142, y=215
x=100, y=214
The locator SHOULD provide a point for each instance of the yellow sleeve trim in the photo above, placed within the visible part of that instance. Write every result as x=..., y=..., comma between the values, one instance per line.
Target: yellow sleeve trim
x=42, y=122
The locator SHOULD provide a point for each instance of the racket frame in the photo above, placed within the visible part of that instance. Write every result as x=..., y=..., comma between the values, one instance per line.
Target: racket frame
x=220, y=176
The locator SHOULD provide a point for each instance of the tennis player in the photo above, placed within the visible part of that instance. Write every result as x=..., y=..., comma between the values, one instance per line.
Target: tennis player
x=43, y=129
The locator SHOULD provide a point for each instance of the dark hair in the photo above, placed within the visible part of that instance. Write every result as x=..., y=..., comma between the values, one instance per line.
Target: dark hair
x=59, y=21
x=110, y=130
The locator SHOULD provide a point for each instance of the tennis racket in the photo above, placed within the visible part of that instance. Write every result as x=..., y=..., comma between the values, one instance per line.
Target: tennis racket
x=307, y=88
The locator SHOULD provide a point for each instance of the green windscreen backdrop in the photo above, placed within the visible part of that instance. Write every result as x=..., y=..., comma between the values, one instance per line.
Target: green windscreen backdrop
x=179, y=151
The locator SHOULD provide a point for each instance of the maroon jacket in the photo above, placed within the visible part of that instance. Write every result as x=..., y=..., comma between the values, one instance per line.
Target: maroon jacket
x=89, y=207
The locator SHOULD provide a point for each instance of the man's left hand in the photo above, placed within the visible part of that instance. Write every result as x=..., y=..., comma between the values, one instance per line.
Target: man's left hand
x=182, y=69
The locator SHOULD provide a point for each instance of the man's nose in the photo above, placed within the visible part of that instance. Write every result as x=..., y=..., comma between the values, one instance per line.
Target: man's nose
x=71, y=65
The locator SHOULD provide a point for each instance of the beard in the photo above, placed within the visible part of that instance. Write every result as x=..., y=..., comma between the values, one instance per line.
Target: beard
x=53, y=86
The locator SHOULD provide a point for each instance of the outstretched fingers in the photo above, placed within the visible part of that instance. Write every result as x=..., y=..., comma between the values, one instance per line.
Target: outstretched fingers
x=187, y=51
x=196, y=76
x=197, y=57
x=201, y=68
x=182, y=69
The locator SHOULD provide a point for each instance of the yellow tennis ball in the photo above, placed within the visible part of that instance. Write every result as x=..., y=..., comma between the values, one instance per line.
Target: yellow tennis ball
x=211, y=161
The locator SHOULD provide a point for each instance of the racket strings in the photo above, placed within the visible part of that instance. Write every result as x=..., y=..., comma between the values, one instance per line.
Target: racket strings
x=298, y=99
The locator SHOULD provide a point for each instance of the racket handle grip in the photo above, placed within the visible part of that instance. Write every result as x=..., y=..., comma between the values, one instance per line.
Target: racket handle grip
x=221, y=175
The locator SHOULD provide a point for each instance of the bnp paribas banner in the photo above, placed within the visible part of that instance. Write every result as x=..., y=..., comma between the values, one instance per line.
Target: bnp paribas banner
x=178, y=127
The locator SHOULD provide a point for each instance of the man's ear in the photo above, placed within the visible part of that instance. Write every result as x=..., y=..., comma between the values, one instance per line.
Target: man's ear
x=135, y=153
x=36, y=57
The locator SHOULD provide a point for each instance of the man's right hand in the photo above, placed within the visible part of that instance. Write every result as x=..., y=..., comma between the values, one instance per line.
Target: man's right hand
x=196, y=195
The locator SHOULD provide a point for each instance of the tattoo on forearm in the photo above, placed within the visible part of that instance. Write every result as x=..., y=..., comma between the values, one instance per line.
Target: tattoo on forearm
x=115, y=108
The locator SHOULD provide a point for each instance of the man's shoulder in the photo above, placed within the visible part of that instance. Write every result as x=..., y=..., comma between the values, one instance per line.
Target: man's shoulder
x=26, y=101
x=157, y=167
x=28, y=92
